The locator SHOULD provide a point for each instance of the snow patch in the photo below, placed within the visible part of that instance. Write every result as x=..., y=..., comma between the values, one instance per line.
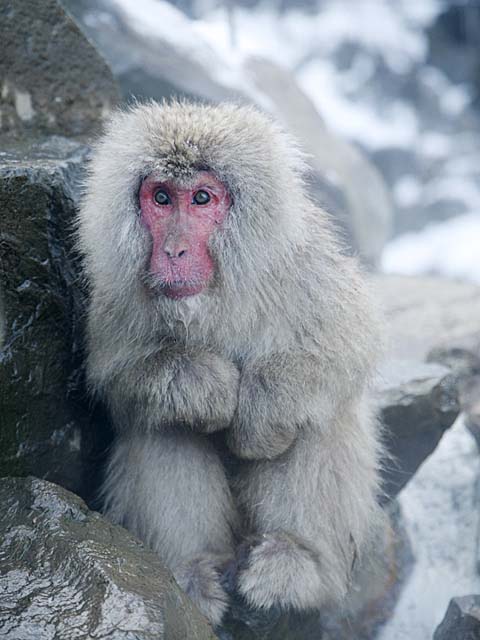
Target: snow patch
x=407, y=191
x=451, y=249
x=440, y=510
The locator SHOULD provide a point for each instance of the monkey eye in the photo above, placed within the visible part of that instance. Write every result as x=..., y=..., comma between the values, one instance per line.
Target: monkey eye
x=161, y=197
x=201, y=197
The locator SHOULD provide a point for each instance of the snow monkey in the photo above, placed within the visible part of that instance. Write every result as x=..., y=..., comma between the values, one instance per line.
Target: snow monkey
x=220, y=301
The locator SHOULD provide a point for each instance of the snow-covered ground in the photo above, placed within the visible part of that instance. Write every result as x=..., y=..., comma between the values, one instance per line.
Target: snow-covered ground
x=441, y=515
x=450, y=248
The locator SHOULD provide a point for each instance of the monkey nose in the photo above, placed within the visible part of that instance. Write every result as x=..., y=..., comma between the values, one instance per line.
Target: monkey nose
x=176, y=253
x=175, y=250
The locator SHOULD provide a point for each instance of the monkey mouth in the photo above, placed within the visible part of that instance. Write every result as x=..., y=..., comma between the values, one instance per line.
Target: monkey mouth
x=181, y=289
x=175, y=289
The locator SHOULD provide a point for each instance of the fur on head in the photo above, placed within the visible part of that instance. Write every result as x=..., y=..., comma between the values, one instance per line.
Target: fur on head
x=257, y=162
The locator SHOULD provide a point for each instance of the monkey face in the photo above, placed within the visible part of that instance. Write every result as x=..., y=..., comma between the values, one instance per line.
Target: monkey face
x=180, y=220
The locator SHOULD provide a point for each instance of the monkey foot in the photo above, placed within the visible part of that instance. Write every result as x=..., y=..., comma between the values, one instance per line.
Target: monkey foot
x=200, y=579
x=281, y=570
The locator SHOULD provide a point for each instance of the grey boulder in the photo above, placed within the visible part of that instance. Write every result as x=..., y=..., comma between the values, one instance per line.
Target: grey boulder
x=424, y=313
x=418, y=402
x=66, y=572
x=462, y=620
x=52, y=78
x=40, y=364
x=463, y=357
x=434, y=327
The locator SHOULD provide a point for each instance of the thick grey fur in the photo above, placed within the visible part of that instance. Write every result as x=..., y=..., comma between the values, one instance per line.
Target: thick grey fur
x=279, y=351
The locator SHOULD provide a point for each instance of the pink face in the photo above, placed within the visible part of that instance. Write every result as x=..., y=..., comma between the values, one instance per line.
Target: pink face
x=180, y=222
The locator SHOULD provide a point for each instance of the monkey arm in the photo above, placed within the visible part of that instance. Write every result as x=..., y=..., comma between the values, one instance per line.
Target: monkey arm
x=175, y=386
x=278, y=395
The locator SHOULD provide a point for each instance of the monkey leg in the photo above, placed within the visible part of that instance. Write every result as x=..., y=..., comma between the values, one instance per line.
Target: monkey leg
x=309, y=511
x=170, y=490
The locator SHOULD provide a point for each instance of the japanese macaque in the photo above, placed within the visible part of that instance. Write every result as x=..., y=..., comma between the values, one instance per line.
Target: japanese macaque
x=220, y=301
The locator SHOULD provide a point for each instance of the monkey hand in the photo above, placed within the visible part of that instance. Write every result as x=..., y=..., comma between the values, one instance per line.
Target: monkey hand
x=261, y=428
x=176, y=386
x=202, y=391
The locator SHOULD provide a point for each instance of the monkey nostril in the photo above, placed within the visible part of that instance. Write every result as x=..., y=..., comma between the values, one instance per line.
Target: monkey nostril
x=175, y=254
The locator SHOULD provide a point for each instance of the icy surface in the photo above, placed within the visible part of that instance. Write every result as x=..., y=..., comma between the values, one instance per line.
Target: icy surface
x=441, y=514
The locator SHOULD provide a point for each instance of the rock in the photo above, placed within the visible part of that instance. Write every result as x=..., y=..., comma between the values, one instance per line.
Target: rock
x=247, y=624
x=418, y=403
x=63, y=563
x=437, y=320
x=41, y=423
x=434, y=320
x=66, y=572
x=424, y=313
x=52, y=80
x=471, y=399
x=462, y=620
x=463, y=357
x=367, y=217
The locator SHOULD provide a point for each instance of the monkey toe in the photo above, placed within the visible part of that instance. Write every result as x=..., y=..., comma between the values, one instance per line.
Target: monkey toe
x=200, y=578
x=282, y=571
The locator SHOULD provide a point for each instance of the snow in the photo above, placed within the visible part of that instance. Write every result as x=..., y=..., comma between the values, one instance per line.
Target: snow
x=377, y=28
x=450, y=249
x=455, y=187
x=396, y=126
x=453, y=98
x=393, y=32
x=154, y=18
x=434, y=145
x=441, y=517
x=407, y=190
x=158, y=19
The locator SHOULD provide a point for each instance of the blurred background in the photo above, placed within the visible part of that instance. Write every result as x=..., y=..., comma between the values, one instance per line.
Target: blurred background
x=384, y=98
x=383, y=94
